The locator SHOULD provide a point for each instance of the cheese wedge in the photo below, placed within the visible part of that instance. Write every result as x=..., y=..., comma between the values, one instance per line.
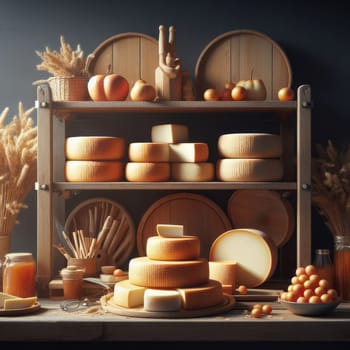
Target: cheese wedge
x=223, y=271
x=19, y=303
x=127, y=294
x=5, y=296
x=168, y=230
x=170, y=133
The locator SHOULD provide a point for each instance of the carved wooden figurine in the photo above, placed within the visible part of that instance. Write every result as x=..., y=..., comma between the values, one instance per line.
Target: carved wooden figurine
x=168, y=74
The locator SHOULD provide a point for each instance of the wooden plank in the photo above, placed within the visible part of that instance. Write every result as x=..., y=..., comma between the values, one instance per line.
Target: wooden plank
x=149, y=61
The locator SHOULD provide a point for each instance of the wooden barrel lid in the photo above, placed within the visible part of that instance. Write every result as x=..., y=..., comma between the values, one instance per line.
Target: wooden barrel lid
x=235, y=55
x=199, y=216
x=90, y=216
x=132, y=55
x=263, y=210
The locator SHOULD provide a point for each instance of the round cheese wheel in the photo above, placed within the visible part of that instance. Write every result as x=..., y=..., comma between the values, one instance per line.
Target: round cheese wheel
x=250, y=145
x=168, y=274
x=161, y=300
x=173, y=249
x=147, y=172
x=249, y=169
x=196, y=172
x=148, y=152
x=254, y=252
x=94, y=148
x=264, y=210
x=93, y=171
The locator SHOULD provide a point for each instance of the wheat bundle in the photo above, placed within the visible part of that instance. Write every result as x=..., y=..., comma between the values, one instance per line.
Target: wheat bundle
x=18, y=165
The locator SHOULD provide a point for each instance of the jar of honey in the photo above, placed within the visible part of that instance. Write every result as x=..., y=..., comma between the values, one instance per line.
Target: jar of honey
x=342, y=266
x=324, y=265
x=19, y=275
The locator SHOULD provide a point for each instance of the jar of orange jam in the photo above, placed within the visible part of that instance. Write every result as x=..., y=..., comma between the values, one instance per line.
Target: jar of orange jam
x=19, y=274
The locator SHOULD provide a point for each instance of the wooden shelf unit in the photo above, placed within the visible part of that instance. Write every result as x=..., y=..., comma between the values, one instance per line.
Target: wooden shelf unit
x=295, y=123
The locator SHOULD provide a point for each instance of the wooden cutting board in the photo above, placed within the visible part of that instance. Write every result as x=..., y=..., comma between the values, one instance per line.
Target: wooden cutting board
x=237, y=54
x=132, y=55
x=263, y=210
x=199, y=215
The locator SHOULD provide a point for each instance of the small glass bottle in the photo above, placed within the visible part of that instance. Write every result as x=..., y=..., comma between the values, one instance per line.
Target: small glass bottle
x=324, y=265
x=342, y=266
x=19, y=275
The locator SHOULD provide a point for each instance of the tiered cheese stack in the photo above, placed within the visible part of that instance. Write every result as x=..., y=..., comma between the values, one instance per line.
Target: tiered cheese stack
x=94, y=158
x=171, y=277
x=249, y=157
x=169, y=156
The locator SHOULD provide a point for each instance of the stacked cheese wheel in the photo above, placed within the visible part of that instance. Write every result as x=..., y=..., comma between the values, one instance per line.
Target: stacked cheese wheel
x=169, y=156
x=249, y=157
x=94, y=158
x=171, y=277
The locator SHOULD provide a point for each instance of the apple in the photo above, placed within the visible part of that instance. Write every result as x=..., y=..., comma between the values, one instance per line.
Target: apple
x=285, y=94
x=239, y=93
x=255, y=87
x=142, y=91
x=95, y=88
x=116, y=87
x=225, y=95
x=211, y=94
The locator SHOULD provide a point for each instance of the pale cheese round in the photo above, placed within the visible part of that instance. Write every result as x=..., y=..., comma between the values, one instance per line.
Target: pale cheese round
x=148, y=152
x=93, y=171
x=173, y=249
x=147, y=172
x=192, y=172
x=168, y=274
x=250, y=145
x=254, y=252
x=246, y=170
x=94, y=148
x=203, y=296
x=192, y=152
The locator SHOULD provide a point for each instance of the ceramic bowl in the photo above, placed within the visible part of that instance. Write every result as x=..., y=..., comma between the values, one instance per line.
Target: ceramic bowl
x=305, y=309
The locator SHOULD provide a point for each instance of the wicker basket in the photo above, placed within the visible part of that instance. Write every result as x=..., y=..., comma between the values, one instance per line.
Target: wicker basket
x=69, y=88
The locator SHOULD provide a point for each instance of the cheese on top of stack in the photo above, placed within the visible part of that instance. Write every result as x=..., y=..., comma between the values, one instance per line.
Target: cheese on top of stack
x=171, y=277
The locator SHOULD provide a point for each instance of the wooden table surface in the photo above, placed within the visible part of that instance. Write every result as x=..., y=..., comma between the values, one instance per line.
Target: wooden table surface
x=92, y=323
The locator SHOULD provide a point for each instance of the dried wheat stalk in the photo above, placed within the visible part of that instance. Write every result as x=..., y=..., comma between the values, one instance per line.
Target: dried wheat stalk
x=331, y=187
x=65, y=63
x=18, y=165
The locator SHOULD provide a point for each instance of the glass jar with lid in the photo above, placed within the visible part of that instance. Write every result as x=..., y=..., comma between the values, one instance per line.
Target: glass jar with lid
x=19, y=275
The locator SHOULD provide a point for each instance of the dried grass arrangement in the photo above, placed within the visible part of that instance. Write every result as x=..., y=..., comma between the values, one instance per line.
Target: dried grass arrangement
x=331, y=187
x=18, y=165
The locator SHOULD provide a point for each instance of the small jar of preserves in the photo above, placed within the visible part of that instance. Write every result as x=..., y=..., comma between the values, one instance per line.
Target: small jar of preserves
x=19, y=275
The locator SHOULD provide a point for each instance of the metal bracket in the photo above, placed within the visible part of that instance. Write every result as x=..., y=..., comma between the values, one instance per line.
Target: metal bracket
x=306, y=187
x=41, y=187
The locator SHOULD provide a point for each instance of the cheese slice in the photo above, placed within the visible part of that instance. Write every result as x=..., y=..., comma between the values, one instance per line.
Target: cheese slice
x=170, y=133
x=93, y=171
x=169, y=230
x=192, y=152
x=94, y=148
x=149, y=152
x=250, y=145
x=202, y=296
x=192, y=172
x=173, y=248
x=127, y=294
x=149, y=273
x=147, y=172
x=254, y=252
x=159, y=300
x=6, y=296
x=19, y=303
x=247, y=170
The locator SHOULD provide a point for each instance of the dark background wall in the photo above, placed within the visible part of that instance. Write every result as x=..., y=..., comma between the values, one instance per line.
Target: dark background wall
x=314, y=35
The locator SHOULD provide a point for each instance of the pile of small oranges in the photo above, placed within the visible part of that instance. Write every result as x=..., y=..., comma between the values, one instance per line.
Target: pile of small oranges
x=306, y=286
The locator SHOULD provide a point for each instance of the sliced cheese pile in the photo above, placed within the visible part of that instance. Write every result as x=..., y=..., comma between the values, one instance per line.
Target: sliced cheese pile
x=94, y=158
x=187, y=161
x=249, y=157
x=254, y=252
x=171, y=277
x=11, y=302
